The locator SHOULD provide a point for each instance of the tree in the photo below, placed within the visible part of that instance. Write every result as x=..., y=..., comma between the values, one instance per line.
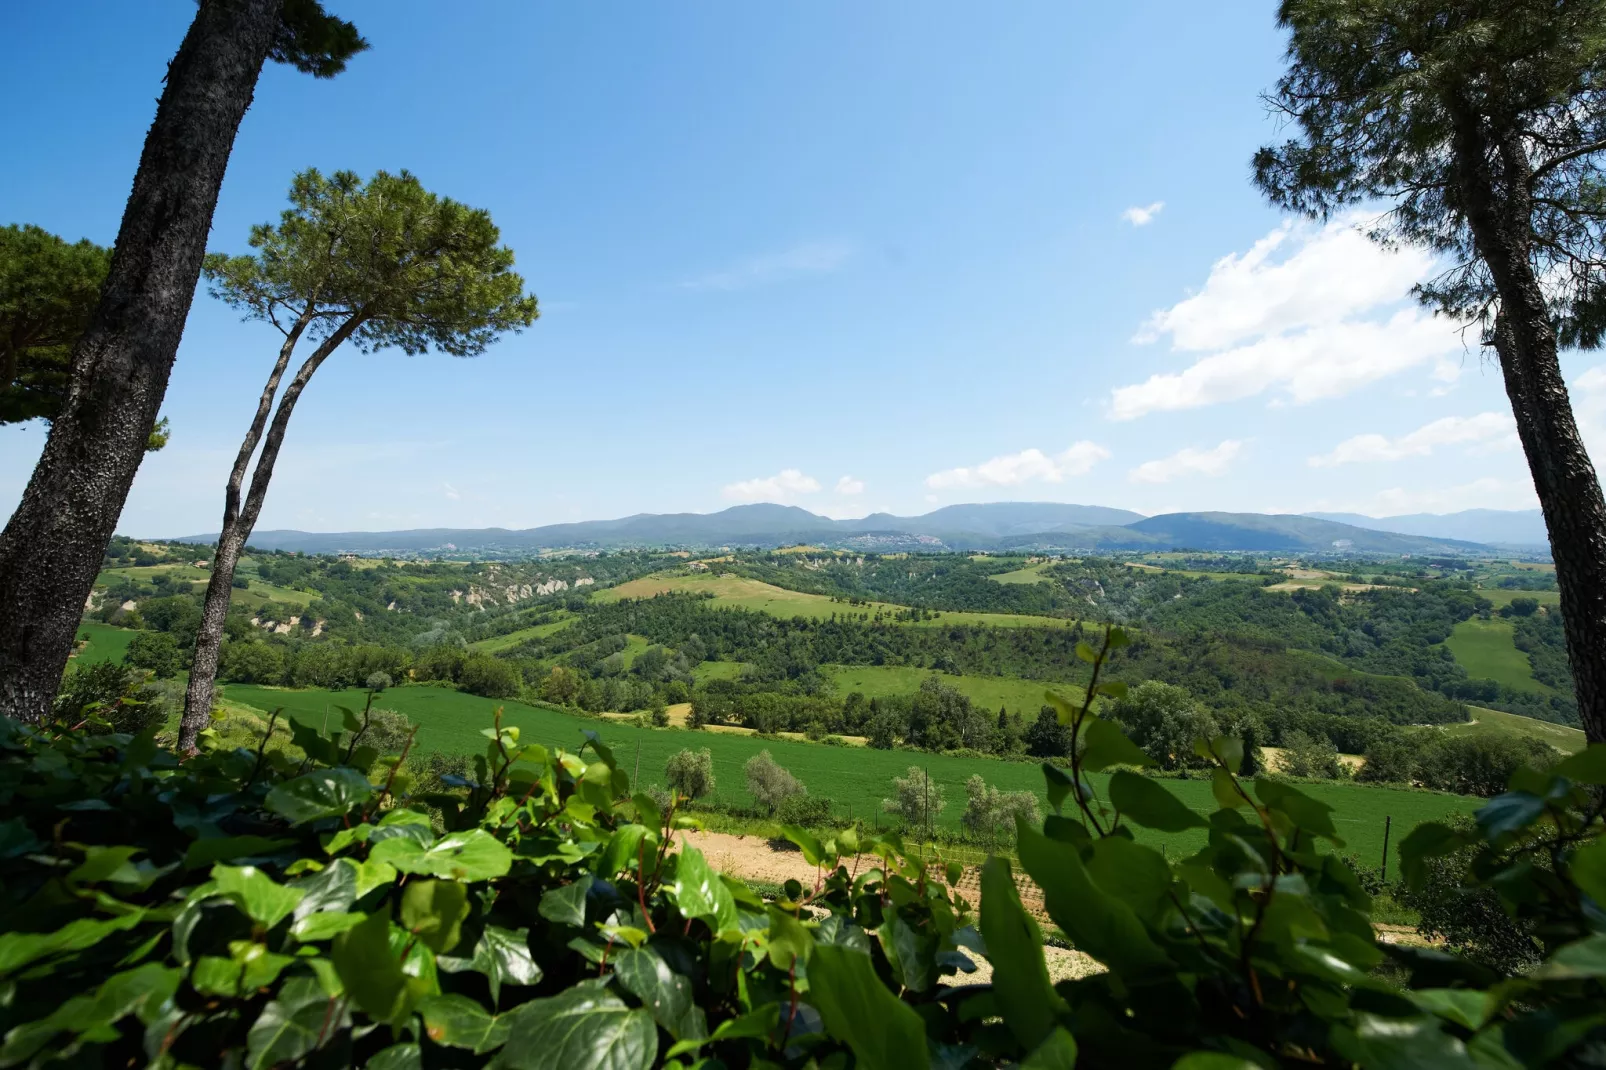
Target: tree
x=1483, y=125
x=915, y=799
x=1047, y=738
x=1164, y=720
x=1307, y=755
x=385, y=265
x=990, y=814
x=157, y=651
x=51, y=549
x=691, y=772
x=48, y=291
x=769, y=782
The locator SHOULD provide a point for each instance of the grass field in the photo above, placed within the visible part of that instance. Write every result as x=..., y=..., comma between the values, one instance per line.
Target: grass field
x=855, y=780
x=1484, y=648
x=1502, y=596
x=1567, y=740
x=498, y=643
x=719, y=670
x=988, y=692
x=252, y=597
x=741, y=593
x=105, y=642
x=1029, y=574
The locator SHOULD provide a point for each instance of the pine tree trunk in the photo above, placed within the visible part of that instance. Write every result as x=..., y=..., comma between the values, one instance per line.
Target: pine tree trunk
x=237, y=529
x=1493, y=170
x=52, y=547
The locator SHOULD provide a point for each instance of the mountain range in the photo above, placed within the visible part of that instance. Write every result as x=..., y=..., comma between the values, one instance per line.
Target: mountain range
x=1046, y=526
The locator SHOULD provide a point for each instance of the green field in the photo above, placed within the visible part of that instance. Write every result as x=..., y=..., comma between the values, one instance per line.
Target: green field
x=1484, y=648
x=1502, y=596
x=105, y=642
x=1484, y=722
x=498, y=643
x=856, y=780
x=740, y=593
x=252, y=597
x=719, y=670
x=1029, y=574
x=988, y=692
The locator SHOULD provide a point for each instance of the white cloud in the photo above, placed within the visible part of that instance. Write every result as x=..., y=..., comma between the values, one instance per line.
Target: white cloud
x=1486, y=493
x=849, y=485
x=451, y=492
x=1142, y=216
x=1490, y=430
x=807, y=258
x=1013, y=469
x=1188, y=462
x=780, y=487
x=1331, y=315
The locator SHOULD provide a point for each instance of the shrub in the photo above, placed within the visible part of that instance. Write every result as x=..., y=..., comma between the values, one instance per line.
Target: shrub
x=915, y=799
x=691, y=772
x=769, y=783
x=1164, y=720
x=1480, y=764
x=990, y=814
x=1470, y=918
x=111, y=694
x=378, y=681
x=490, y=677
x=157, y=651
x=660, y=716
x=807, y=811
x=1308, y=755
x=253, y=662
x=883, y=729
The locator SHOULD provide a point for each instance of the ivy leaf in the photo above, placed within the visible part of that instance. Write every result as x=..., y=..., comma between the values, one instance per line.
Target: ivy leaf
x=1150, y=805
x=813, y=851
x=1588, y=869
x=319, y=794
x=1427, y=840
x=1059, y=784
x=1508, y=813
x=1581, y=958
x=333, y=888
x=1301, y=809
x=668, y=995
x=1096, y=922
x=501, y=955
x=1056, y=1052
x=583, y=1028
x=474, y=855
x=699, y=893
x=1133, y=874
x=459, y=1022
x=790, y=940
x=884, y=1032
x=371, y=974
x=1588, y=766
x=203, y=853
x=1401, y=1044
x=566, y=905
x=1104, y=745
x=434, y=912
x=397, y=1057
x=756, y=1024
x=1026, y=996
x=911, y=953
x=291, y=1026
x=621, y=851
x=256, y=893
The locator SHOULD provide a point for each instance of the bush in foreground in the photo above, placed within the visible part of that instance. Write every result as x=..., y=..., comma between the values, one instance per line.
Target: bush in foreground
x=253, y=907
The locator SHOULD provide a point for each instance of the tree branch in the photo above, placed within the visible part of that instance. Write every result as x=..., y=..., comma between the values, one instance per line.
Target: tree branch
x=1556, y=161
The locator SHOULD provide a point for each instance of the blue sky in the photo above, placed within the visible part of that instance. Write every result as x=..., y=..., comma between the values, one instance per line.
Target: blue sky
x=854, y=257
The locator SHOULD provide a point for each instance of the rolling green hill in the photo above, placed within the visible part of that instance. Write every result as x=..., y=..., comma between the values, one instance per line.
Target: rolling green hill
x=1484, y=648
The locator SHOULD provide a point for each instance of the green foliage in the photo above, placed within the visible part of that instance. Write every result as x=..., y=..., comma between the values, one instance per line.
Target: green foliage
x=1305, y=755
x=916, y=800
x=769, y=783
x=691, y=773
x=49, y=288
x=157, y=651
x=991, y=815
x=252, y=906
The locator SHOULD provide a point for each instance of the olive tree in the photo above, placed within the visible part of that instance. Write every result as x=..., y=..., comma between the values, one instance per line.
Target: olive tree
x=1481, y=125
x=51, y=549
x=384, y=264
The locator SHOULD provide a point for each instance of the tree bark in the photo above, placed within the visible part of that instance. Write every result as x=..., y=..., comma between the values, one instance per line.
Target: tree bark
x=1493, y=172
x=239, y=521
x=52, y=547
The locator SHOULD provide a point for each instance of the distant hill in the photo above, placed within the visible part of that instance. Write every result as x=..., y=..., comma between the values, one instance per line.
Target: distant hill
x=1496, y=527
x=1021, y=526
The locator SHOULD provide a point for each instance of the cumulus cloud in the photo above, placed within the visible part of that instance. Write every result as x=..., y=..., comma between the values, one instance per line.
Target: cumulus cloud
x=1486, y=493
x=1488, y=430
x=849, y=485
x=783, y=486
x=1013, y=469
x=1144, y=215
x=1313, y=312
x=1189, y=462
x=807, y=258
